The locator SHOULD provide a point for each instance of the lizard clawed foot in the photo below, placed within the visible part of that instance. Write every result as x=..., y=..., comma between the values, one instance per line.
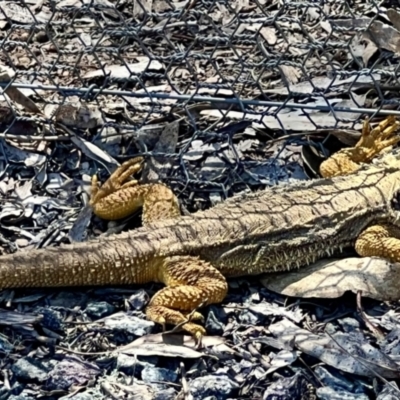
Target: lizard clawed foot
x=165, y=316
x=372, y=143
x=380, y=138
x=118, y=180
x=120, y=196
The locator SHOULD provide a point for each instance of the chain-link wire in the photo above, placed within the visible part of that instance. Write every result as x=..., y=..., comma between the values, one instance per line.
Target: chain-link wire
x=117, y=72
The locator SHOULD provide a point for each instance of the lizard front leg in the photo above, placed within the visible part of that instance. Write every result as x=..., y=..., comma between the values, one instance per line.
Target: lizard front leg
x=371, y=143
x=120, y=197
x=190, y=282
x=379, y=241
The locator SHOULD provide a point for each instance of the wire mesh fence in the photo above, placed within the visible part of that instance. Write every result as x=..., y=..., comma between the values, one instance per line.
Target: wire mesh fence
x=102, y=80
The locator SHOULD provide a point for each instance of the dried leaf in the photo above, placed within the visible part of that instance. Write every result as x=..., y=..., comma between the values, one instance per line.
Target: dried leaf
x=93, y=151
x=126, y=71
x=156, y=168
x=268, y=309
x=292, y=121
x=168, y=345
x=375, y=277
x=16, y=95
x=78, y=230
x=343, y=351
x=12, y=318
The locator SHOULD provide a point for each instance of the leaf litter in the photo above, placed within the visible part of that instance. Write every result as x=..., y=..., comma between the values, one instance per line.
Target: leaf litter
x=317, y=341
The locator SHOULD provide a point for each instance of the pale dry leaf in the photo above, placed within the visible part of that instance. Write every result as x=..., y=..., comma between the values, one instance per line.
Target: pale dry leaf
x=268, y=309
x=314, y=13
x=343, y=351
x=12, y=318
x=92, y=151
x=282, y=359
x=374, y=277
x=323, y=83
x=10, y=210
x=24, y=190
x=355, y=101
x=142, y=7
x=292, y=74
x=269, y=35
x=363, y=48
x=384, y=36
x=293, y=121
x=16, y=13
x=168, y=345
x=17, y=155
x=125, y=71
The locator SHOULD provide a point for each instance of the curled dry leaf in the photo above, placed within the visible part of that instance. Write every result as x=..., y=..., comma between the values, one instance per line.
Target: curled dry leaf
x=375, y=277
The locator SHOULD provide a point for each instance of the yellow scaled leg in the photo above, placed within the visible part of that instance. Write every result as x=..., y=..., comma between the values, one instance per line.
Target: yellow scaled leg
x=372, y=143
x=120, y=197
x=190, y=282
x=377, y=240
x=380, y=241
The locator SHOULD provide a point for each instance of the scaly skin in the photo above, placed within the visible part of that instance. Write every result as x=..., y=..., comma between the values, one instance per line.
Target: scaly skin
x=277, y=229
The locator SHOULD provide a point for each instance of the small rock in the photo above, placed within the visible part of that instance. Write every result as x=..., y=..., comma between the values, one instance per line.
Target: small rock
x=129, y=324
x=31, y=369
x=294, y=387
x=69, y=300
x=52, y=319
x=99, y=309
x=71, y=371
x=138, y=300
x=152, y=374
x=219, y=386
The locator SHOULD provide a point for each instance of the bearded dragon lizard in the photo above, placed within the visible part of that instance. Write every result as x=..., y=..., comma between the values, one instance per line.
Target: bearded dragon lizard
x=277, y=229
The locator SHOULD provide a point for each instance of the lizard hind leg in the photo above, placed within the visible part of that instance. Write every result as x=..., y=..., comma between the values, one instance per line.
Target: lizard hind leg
x=190, y=283
x=371, y=144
